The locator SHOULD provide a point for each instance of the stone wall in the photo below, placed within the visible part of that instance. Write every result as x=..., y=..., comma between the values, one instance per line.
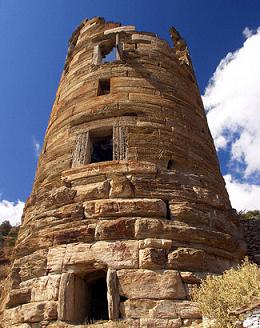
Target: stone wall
x=251, y=229
x=153, y=218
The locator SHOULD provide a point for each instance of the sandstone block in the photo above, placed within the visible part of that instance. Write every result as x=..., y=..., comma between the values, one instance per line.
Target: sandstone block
x=85, y=233
x=137, y=284
x=119, y=254
x=155, y=243
x=196, y=260
x=13, y=316
x=55, y=258
x=18, y=297
x=127, y=28
x=187, y=259
x=31, y=266
x=148, y=228
x=93, y=191
x=121, y=187
x=62, y=195
x=137, y=308
x=115, y=229
x=160, y=323
x=50, y=311
x=33, y=312
x=45, y=288
x=160, y=309
x=125, y=207
x=193, y=277
x=152, y=258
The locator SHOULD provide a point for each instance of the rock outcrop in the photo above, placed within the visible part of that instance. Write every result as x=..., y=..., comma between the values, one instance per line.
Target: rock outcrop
x=129, y=209
x=251, y=229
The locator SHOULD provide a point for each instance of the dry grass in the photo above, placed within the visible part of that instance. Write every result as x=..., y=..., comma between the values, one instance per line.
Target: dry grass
x=218, y=296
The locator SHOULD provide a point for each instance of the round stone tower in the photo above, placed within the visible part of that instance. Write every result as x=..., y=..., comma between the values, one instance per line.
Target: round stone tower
x=129, y=209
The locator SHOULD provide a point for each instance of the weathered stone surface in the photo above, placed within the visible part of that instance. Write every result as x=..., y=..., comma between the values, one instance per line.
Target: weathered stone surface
x=97, y=190
x=125, y=207
x=115, y=229
x=152, y=258
x=155, y=243
x=193, y=277
x=196, y=260
x=62, y=195
x=120, y=254
x=121, y=187
x=160, y=323
x=160, y=309
x=18, y=297
x=127, y=190
x=45, y=288
x=166, y=284
x=33, y=312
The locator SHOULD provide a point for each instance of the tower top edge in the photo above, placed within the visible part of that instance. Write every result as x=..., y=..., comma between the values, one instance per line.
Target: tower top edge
x=111, y=27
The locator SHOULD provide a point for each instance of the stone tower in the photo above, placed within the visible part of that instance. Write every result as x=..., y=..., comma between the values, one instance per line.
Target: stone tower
x=129, y=209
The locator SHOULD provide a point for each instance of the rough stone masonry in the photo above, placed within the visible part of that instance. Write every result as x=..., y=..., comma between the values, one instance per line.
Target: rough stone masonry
x=129, y=209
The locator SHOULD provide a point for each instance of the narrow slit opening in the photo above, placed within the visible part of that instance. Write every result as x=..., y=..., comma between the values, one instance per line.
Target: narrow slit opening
x=168, y=210
x=170, y=165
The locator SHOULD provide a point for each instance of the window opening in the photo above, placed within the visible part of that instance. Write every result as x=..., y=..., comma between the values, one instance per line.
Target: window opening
x=168, y=210
x=102, y=149
x=103, y=87
x=110, y=56
x=170, y=165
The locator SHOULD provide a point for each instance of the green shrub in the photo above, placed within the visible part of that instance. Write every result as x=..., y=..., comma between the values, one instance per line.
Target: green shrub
x=218, y=296
x=255, y=214
x=5, y=228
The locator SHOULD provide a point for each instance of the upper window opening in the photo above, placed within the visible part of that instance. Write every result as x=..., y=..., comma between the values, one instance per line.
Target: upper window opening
x=110, y=56
x=102, y=149
x=103, y=87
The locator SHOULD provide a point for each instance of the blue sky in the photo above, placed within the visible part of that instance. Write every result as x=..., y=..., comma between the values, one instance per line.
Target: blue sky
x=34, y=36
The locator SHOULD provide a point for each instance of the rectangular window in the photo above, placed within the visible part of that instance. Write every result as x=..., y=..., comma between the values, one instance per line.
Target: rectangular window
x=101, y=145
x=103, y=87
x=101, y=148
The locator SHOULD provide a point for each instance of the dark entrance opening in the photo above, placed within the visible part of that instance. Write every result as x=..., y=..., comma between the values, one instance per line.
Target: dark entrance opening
x=84, y=297
x=102, y=149
x=98, y=300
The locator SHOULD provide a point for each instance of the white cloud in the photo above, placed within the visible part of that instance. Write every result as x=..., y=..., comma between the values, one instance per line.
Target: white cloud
x=232, y=102
x=247, y=32
x=37, y=147
x=243, y=196
x=11, y=211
